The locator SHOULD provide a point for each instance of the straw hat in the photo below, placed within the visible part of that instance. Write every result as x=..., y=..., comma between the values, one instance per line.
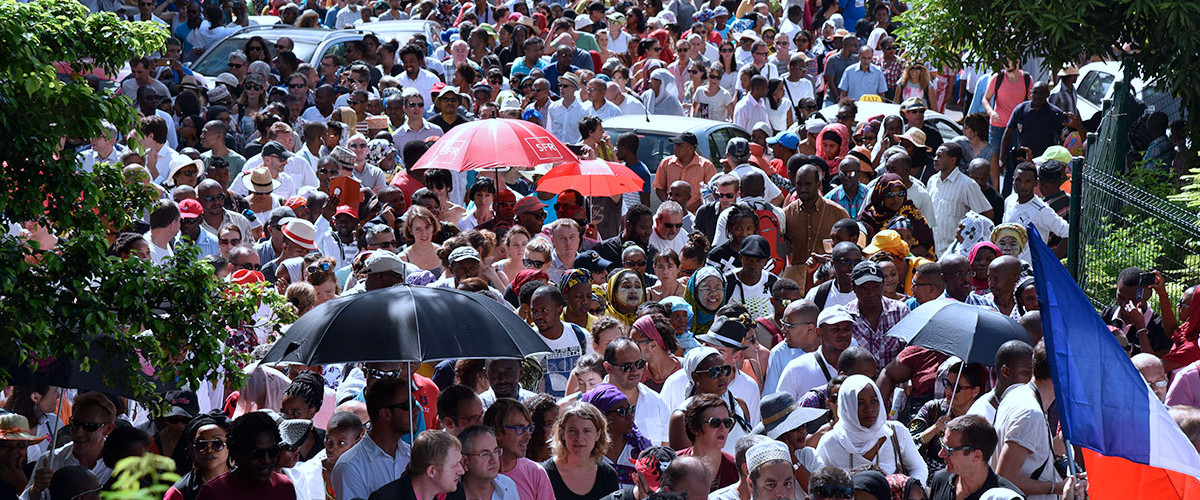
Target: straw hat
x=14, y=427
x=260, y=181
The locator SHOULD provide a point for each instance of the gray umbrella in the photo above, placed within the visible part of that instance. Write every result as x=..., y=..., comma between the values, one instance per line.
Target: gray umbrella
x=954, y=328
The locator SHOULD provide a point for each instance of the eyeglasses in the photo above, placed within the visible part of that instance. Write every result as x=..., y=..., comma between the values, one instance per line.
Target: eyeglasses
x=231, y=241
x=386, y=244
x=949, y=450
x=717, y=423
x=488, y=454
x=716, y=372
x=264, y=453
x=634, y=263
x=533, y=264
x=630, y=366
x=624, y=412
x=88, y=426
x=521, y=430
x=208, y=444
x=250, y=266
x=725, y=195
x=948, y=383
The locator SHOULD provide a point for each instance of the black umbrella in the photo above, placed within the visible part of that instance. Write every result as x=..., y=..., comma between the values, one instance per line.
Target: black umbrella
x=406, y=323
x=958, y=329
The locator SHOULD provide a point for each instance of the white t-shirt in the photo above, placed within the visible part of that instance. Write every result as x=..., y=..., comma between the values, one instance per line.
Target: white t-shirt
x=157, y=254
x=1021, y=421
x=804, y=374
x=799, y=89
x=780, y=356
x=755, y=296
x=836, y=297
x=714, y=107
x=564, y=353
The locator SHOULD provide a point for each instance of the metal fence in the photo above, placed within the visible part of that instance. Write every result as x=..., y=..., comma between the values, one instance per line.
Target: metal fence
x=1121, y=219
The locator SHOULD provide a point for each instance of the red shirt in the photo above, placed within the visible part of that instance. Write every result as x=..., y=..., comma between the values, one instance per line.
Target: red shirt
x=225, y=487
x=406, y=183
x=924, y=364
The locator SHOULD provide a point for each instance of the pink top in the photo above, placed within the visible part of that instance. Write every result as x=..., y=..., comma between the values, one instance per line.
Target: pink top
x=532, y=481
x=1185, y=386
x=1008, y=96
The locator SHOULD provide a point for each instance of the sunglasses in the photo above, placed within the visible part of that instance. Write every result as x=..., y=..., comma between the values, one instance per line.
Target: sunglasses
x=521, y=430
x=725, y=195
x=692, y=71
x=533, y=264
x=253, y=86
x=846, y=262
x=264, y=453
x=249, y=266
x=353, y=102
x=540, y=214
x=895, y=194
x=358, y=145
x=386, y=244
x=208, y=444
x=726, y=51
x=236, y=65
x=405, y=406
x=328, y=171
x=963, y=274
x=948, y=383
x=669, y=225
x=715, y=76
x=635, y=263
x=88, y=426
x=296, y=85
x=230, y=241
x=624, y=412
x=716, y=372
x=320, y=266
x=760, y=53
x=412, y=104
x=628, y=367
x=717, y=423
x=950, y=450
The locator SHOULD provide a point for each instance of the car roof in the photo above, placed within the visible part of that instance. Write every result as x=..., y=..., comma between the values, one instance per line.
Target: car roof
x=274, y=32
x=1113, y=68
x=662, y=124
x=386, y=29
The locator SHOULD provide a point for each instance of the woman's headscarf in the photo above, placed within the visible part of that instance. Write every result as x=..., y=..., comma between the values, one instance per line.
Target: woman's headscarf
x=876, y=214
x=843, y=134
x=848, y=432
x=377, y=150
x=665, y=101
x=1010, y=229
x=668, y=52
x=692, y=359
x=687, y=340
x=975, y=228
x=1028, y=281
x=980, y=283
x=614, y=280
x=702, y=318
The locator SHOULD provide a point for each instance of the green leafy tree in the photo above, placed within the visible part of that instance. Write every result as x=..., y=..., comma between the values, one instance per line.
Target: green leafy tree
x=74, y=298
x=1159, y=36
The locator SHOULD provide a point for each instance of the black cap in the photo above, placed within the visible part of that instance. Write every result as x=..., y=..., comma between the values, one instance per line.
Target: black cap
x=183, y=404
x=274, y=148
x=591, y=261
x=755, y=246
x=687, y=137
x=1051, y=170
x=865, y=272
x=278, y=214
x=725, y=332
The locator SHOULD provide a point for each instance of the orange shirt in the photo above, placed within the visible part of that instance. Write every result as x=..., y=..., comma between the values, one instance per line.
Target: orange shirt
x=697, y=172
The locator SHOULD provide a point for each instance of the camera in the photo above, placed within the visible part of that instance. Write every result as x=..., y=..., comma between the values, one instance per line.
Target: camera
x=1146, y=279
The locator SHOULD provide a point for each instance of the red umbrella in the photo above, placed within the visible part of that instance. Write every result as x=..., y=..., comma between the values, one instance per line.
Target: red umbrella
x=591, y=178
x=495, y=143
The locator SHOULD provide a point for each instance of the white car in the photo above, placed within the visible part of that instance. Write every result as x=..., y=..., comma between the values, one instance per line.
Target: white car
x=1095, y=84
x=948, y=128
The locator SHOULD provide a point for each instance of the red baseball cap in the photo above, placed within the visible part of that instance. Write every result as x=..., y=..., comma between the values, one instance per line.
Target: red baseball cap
x=246, y=277
x=190, y=209
x=346, y=210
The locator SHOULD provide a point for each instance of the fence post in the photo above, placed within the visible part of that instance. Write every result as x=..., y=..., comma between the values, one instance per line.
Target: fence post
x=1074, y=265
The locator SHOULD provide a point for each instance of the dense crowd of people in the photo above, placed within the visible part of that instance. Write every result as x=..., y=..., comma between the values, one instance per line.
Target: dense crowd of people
x=720, y=334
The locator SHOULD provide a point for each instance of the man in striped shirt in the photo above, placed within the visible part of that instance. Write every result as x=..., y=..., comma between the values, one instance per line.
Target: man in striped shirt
x=953, y=195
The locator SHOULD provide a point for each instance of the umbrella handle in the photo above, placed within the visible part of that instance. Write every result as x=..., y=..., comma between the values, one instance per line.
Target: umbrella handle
x=955, y=391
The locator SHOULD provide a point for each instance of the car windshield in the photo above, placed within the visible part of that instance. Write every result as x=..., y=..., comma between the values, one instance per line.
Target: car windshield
x=1094, y=87
x=652, y=148
x=216, y=61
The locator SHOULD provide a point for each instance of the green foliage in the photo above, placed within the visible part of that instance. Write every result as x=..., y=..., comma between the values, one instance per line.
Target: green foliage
x=74, y=298
x=1160, y=35
x=147, y=477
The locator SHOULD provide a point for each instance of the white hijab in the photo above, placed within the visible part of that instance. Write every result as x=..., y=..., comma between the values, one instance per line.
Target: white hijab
x=848, y=432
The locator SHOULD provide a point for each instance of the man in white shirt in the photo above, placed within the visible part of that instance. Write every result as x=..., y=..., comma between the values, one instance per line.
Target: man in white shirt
x=567, y=341
x=625, y=365
x=1024, y=207
x=140, y=69
x=565, y=113
x=299, y=168
x=159, y=156
x=800, y=337
x=275, y=157
x=629, y=104
x=212, y=30
x=840, y=289
x=380, y=457
x=668, y=228
x=164, y=227
x=105, y=149
x=1014, y=366
x=597, y=104
x=750, y=109
x=1025, y=455
x=953, y=195
x=817, y=368
x=415, y=75
x=92, y=421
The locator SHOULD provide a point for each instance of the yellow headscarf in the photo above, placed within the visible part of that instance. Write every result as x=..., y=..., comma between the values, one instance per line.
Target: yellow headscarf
x=613, y=280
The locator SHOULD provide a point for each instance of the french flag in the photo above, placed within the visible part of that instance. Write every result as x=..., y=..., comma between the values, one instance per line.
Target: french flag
x=1132, y=447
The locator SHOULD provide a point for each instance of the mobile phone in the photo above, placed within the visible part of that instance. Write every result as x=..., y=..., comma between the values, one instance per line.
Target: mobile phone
x=162, y=62
x=1146, y=279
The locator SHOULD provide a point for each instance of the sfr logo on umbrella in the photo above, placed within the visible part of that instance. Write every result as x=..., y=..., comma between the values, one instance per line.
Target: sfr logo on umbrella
x=453, y=149
x=543, y=148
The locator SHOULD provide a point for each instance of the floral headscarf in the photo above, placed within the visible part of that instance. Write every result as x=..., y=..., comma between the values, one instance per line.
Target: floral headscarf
x=974, y=229
x=702, y=318
x=876, y=214
x=378, y=150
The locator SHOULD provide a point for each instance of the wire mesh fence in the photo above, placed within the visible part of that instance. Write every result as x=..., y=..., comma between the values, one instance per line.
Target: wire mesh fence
x=1124, y=218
